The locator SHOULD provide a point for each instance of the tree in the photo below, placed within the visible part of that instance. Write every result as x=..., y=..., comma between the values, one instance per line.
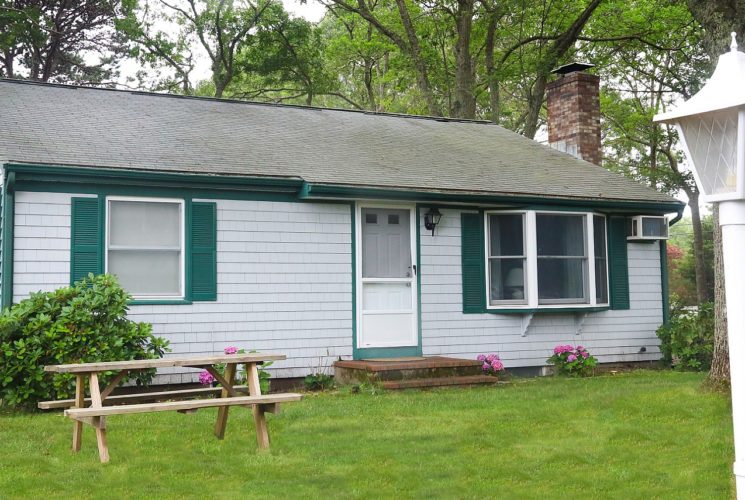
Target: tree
x=286, y=62
x=718, y=18
x=643, y=77
x=61, y=41
x=218, y=28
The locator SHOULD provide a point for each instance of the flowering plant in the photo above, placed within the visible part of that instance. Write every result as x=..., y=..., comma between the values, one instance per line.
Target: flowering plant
x=492, y=365
x=573, y=361
x=206, y=378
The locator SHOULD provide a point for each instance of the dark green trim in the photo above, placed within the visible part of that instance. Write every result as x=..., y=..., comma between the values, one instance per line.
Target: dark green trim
x=387, y=352
x=114, y=176
x=76, y=179
x=472, y=263
x=328, y=191
x=187, y=256
x=202, y=251
x=618, y=264
x=7, y=239
x=665, y=282
x=87, y=230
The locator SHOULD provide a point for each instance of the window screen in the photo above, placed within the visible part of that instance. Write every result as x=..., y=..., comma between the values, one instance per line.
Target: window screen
x=144, y=248
x=507, y=258
x=562, y=258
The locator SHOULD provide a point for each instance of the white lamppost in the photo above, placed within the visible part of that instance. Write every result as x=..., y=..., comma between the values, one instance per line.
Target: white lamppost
x=711, y=126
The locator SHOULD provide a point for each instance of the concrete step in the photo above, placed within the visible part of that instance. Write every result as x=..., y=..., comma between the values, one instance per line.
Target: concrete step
x=425, y=383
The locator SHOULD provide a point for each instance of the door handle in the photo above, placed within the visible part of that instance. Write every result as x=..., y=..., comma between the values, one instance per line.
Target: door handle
x=413, y=267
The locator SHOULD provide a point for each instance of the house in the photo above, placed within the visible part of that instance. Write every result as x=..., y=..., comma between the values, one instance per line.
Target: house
x=302, y=230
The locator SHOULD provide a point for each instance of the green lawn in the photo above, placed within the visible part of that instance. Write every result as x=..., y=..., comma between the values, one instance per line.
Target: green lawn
x=636, y=435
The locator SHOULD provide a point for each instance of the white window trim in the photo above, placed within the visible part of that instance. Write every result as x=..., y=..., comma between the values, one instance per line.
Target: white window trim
x=531, y=252
x=182, y=252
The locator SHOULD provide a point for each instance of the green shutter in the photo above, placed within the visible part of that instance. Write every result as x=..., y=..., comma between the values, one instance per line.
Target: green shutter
x=203, y=251
x=472, y=262
x=86, y=229
x=618, y=263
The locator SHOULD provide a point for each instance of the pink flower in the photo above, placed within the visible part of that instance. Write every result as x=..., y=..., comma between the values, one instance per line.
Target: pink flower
x=206, y=378
x=580, y=348
x=571, y=358
x=585, y=354
x=485, y=367
x=231, y=350
x=481, y=357
x=497, y=365
x=560, y=349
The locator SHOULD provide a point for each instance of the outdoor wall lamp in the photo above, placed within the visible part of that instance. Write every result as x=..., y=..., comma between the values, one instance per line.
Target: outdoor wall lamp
x=711, y=126
x=431, y=219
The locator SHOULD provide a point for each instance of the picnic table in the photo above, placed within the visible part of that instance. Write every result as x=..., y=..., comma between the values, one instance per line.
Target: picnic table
x=103, y=404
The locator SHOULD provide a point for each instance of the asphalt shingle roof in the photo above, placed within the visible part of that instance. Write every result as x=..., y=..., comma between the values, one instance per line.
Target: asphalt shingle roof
x=62, y=125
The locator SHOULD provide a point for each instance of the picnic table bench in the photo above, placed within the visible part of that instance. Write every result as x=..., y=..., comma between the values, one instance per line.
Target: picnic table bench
x=227, y=395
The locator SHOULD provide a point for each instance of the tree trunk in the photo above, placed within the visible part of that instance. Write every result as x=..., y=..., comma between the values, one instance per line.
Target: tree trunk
x=494, y=102
x=698, y=248
x=465, y=99
x=535, y=103
x=415, y=51
x=719, y=373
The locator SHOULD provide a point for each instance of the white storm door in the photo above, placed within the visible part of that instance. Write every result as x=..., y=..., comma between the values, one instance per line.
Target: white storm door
x=387, y=278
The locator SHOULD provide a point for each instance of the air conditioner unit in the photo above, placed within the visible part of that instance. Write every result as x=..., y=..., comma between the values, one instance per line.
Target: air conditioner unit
x=648, y=227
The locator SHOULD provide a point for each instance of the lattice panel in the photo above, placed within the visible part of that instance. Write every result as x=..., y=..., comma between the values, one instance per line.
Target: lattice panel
x=712, y=142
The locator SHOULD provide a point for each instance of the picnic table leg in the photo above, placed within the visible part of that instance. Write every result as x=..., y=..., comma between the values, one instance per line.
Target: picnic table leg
x=222, y=412
x=100, y=422
x=77, y=430
x=254, y=389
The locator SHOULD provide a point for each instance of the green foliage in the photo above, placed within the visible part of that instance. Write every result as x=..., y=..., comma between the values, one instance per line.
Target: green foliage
x=61, y=42
x=319, y=382
x=687, y=341
x=687, y=266
x=79, y=324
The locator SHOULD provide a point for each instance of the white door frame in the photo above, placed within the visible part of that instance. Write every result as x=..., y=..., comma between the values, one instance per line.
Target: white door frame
x=413, y=226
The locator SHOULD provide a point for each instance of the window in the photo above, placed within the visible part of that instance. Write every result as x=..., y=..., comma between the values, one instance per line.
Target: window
x=145, y=246
x=506, y=256
x=546, y=259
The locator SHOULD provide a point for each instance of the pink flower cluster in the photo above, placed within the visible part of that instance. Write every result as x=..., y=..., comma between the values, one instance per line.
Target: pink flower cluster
x=231, y=350
x=574, y=352
x=492, y=363
x=206, y=378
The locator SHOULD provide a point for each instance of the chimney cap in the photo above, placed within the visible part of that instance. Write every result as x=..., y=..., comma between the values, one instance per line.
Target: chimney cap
x=572, y=67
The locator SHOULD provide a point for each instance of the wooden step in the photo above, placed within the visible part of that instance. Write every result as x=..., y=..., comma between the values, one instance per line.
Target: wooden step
x=424, y=383
x=347, y=372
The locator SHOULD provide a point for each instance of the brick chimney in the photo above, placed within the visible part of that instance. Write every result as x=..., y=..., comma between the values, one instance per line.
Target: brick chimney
x=574, y=112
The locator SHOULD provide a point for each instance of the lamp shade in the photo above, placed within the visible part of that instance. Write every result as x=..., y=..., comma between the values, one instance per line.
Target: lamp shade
x=711, y=125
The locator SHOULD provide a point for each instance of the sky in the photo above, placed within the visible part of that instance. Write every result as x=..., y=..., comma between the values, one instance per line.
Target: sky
x=310, y=10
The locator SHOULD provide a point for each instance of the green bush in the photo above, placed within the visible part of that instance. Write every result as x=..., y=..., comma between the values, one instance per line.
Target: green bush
x=78, y=324
x=318, y=382
x=687, y=341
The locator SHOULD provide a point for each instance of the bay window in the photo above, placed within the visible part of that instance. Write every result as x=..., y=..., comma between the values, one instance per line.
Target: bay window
x=546, y=259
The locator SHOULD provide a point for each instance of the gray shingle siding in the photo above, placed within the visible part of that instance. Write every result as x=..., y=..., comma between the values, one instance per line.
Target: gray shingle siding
x=285, y=284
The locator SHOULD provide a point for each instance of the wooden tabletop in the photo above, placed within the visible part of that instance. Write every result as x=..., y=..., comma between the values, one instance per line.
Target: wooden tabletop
x=141, y=364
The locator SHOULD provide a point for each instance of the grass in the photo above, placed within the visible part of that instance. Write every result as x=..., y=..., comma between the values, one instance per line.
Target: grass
x=634, y=435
